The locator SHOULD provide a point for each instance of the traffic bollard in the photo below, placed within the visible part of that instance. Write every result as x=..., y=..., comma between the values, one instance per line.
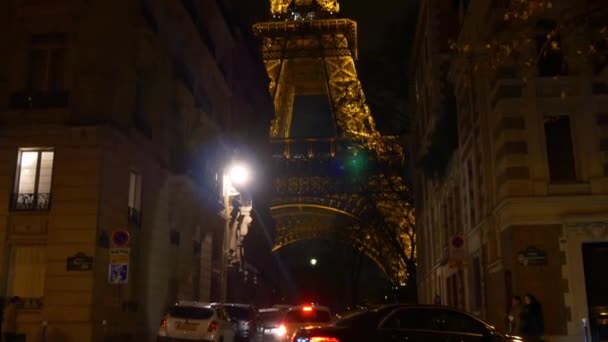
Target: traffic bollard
x=44, y=331
x=586, y=329
x=104, y=329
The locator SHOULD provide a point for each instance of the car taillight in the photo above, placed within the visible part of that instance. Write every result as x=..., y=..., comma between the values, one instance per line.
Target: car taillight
x=163, y=323
x=212, y=326
x=324, y=339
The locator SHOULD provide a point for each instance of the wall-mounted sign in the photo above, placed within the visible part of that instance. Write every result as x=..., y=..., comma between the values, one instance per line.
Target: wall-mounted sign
x=120, y=238
x=80, y=262
x=532, y=256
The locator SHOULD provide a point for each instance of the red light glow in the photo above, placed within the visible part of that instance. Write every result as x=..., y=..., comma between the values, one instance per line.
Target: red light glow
x=323, y=339
x=212, y=326
x=307, y=308
x=163, y=323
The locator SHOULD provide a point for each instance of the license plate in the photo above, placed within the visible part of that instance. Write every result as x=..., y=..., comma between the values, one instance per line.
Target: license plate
x=186, y=326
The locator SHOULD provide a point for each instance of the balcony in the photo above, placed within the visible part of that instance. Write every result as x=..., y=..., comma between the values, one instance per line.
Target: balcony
x=506, y=89
x=31, y=202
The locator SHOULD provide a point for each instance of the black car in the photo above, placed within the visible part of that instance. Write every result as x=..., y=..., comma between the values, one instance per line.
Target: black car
x=404, y=322
x=245, y=317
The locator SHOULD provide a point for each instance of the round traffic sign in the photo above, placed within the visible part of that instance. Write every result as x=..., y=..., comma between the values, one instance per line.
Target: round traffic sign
x=457, y=242
x=120, y=238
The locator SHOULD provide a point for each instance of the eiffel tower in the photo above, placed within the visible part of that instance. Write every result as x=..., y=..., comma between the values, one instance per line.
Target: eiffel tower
x=346, y=186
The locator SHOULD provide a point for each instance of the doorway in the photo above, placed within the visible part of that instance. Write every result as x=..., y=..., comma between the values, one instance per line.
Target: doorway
x=596, y=283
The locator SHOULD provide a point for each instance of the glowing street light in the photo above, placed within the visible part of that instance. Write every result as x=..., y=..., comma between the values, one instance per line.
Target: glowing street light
x=313, y=262
x=239, y=174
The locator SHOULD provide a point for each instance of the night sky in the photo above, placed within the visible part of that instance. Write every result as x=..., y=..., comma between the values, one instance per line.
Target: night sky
x=385, y=30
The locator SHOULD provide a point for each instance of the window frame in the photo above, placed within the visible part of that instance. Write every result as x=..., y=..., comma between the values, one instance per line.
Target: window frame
x=17, y=178
x=135, y=209
x=49, y=43
x=30, y=302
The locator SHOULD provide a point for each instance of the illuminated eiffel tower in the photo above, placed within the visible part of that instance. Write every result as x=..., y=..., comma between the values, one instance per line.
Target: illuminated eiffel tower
x=308, y=51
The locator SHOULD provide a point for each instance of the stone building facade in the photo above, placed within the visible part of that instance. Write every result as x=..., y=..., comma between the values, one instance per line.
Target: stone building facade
x=119, y=115
x=510, y=147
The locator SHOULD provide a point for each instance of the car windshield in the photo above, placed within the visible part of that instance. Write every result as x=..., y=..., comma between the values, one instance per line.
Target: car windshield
x=312, y=316
x=191, y=312
x=240, y=313
x=271, y=316
x=362, y=318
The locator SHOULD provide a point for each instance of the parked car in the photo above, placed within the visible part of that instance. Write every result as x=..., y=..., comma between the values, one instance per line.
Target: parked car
x=245, y=318
x=194, y=321
x=412, y=323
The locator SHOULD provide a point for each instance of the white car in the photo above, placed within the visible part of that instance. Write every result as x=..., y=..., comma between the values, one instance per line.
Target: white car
x=194, y=321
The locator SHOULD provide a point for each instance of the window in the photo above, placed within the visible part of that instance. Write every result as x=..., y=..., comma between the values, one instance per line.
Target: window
x=471, y=193
x=406, y=319
x=476, y=295
x=27, y=272
x=134, y=198
x=560, y=155
x=33, y=180
x=47, y=63
x=457, y=322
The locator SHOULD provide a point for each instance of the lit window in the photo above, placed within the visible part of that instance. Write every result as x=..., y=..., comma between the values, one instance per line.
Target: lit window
x=135, y=198
x=33, y=180
x=27, y=271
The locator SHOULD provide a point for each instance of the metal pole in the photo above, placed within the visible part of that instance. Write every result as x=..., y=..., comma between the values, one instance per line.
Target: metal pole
x=225, y=241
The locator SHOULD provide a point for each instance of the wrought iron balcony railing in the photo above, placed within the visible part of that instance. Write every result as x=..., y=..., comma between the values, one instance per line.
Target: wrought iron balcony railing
x=31, y=201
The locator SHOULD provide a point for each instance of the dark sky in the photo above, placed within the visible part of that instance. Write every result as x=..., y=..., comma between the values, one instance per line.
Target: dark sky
x=377, y=19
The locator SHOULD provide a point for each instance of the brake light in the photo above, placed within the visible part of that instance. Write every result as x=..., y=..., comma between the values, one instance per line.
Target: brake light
x=163, y=323
x=307, y=308
x=212, y=326
x=323, y=339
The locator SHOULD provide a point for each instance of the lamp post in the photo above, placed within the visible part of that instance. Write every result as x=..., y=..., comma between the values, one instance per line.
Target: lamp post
x=237, y=218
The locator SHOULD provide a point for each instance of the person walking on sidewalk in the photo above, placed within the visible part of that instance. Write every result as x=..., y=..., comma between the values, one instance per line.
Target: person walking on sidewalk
x=532, y=321
x=515, y=316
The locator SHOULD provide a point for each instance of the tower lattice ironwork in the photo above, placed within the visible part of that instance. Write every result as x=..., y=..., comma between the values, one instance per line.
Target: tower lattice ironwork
x=307, y=50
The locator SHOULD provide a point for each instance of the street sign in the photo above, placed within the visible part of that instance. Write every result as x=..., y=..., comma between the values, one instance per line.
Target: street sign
x=80, y=262
x=118, y=268
x=456, y=250
x=120, y=255
x=120, y=238
x=118, y=274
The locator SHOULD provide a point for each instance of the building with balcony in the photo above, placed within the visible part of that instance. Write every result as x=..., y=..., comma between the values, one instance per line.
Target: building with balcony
x=509, y=139
x=119, y=116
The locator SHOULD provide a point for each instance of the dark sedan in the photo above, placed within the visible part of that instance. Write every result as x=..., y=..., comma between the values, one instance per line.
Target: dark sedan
x=411, y=323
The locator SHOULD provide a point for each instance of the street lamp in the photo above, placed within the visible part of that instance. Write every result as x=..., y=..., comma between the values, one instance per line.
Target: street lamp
x=239, y=174
x=237, y=209
x=313, y=262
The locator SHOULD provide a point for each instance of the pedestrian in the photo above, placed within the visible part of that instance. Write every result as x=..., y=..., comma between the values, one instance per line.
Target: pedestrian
x=515, y=316
x=9, y=320
x=532, y=321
